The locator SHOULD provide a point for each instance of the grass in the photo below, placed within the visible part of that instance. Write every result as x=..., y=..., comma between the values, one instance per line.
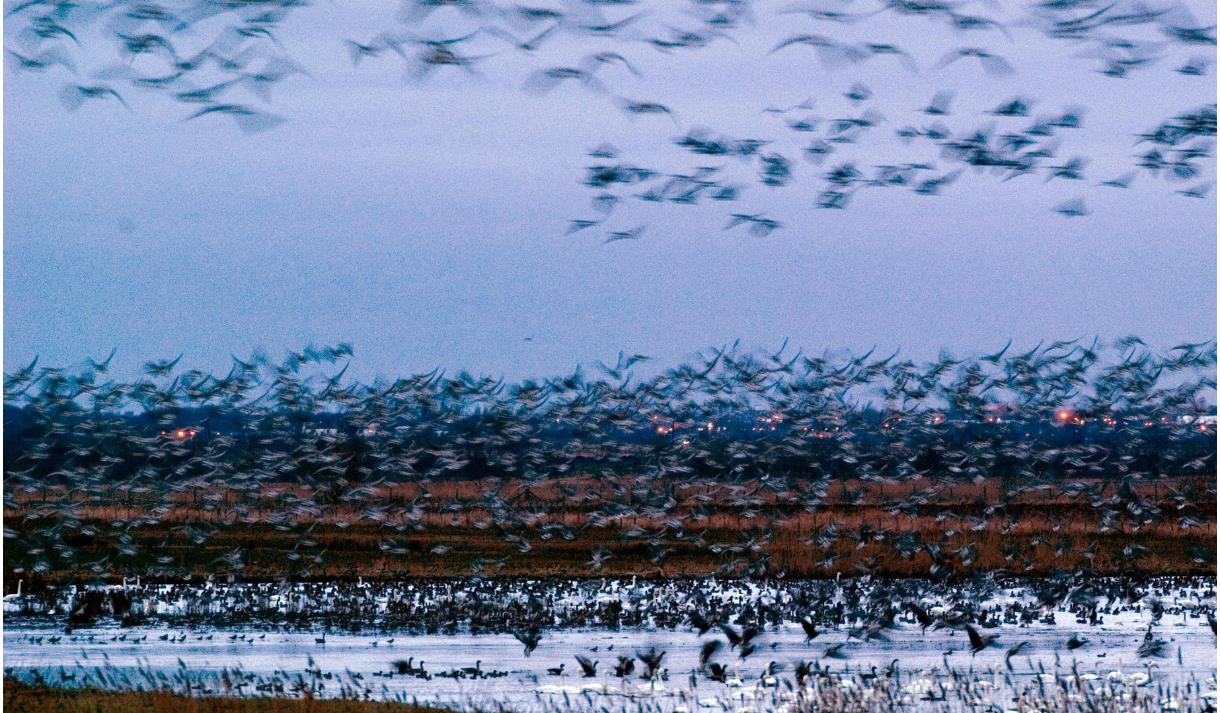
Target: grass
x=21, y=697
x=1037, y=532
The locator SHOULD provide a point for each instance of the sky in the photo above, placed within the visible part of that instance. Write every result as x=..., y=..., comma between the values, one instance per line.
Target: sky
x=424, y=222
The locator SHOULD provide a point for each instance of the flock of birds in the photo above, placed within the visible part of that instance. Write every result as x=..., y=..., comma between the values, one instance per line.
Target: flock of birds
x=1088, y=422
x=864, y=608
x=205, y=54
x=1180, y=148
x=735, y=626
x=810, y=686
x=295, y=446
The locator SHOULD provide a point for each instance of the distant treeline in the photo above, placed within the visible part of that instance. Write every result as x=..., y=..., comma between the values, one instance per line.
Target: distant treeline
x=1057, y=411
x=193, y=442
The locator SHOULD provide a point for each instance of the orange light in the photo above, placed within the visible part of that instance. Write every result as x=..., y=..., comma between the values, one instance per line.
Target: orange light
x=1063, y=415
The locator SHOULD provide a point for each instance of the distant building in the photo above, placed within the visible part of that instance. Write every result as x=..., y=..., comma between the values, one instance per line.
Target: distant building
x=1207, y=420
x=181, y=434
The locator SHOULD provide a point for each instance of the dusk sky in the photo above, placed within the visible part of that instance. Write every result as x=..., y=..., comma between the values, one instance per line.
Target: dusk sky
x=423, y=222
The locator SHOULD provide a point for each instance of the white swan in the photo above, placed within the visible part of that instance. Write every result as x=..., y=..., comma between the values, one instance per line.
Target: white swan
x=17, y=595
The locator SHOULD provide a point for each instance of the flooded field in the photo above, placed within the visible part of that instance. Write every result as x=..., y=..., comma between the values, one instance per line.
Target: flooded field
x=1150, y=646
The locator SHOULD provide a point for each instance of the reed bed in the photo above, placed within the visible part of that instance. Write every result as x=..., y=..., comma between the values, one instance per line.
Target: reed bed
x=451, y=533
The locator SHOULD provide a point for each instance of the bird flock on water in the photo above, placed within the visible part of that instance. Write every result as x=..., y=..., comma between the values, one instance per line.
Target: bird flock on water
x=729, y=613
x=814, y=636
x=224, y=59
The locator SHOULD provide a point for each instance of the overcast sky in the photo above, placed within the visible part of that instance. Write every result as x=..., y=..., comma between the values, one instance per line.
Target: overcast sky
x=424, y=223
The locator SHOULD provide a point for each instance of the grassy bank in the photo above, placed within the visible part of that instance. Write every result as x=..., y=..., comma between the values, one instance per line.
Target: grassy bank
x=24, y=698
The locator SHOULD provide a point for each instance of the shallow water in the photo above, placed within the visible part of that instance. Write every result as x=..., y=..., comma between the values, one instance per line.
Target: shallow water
x=249, y=661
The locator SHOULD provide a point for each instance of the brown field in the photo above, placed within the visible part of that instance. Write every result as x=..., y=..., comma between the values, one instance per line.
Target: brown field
x=24, y=698
x=1038, y=532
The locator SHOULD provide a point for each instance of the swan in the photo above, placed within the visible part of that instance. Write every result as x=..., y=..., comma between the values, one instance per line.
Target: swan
x=17, y=595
